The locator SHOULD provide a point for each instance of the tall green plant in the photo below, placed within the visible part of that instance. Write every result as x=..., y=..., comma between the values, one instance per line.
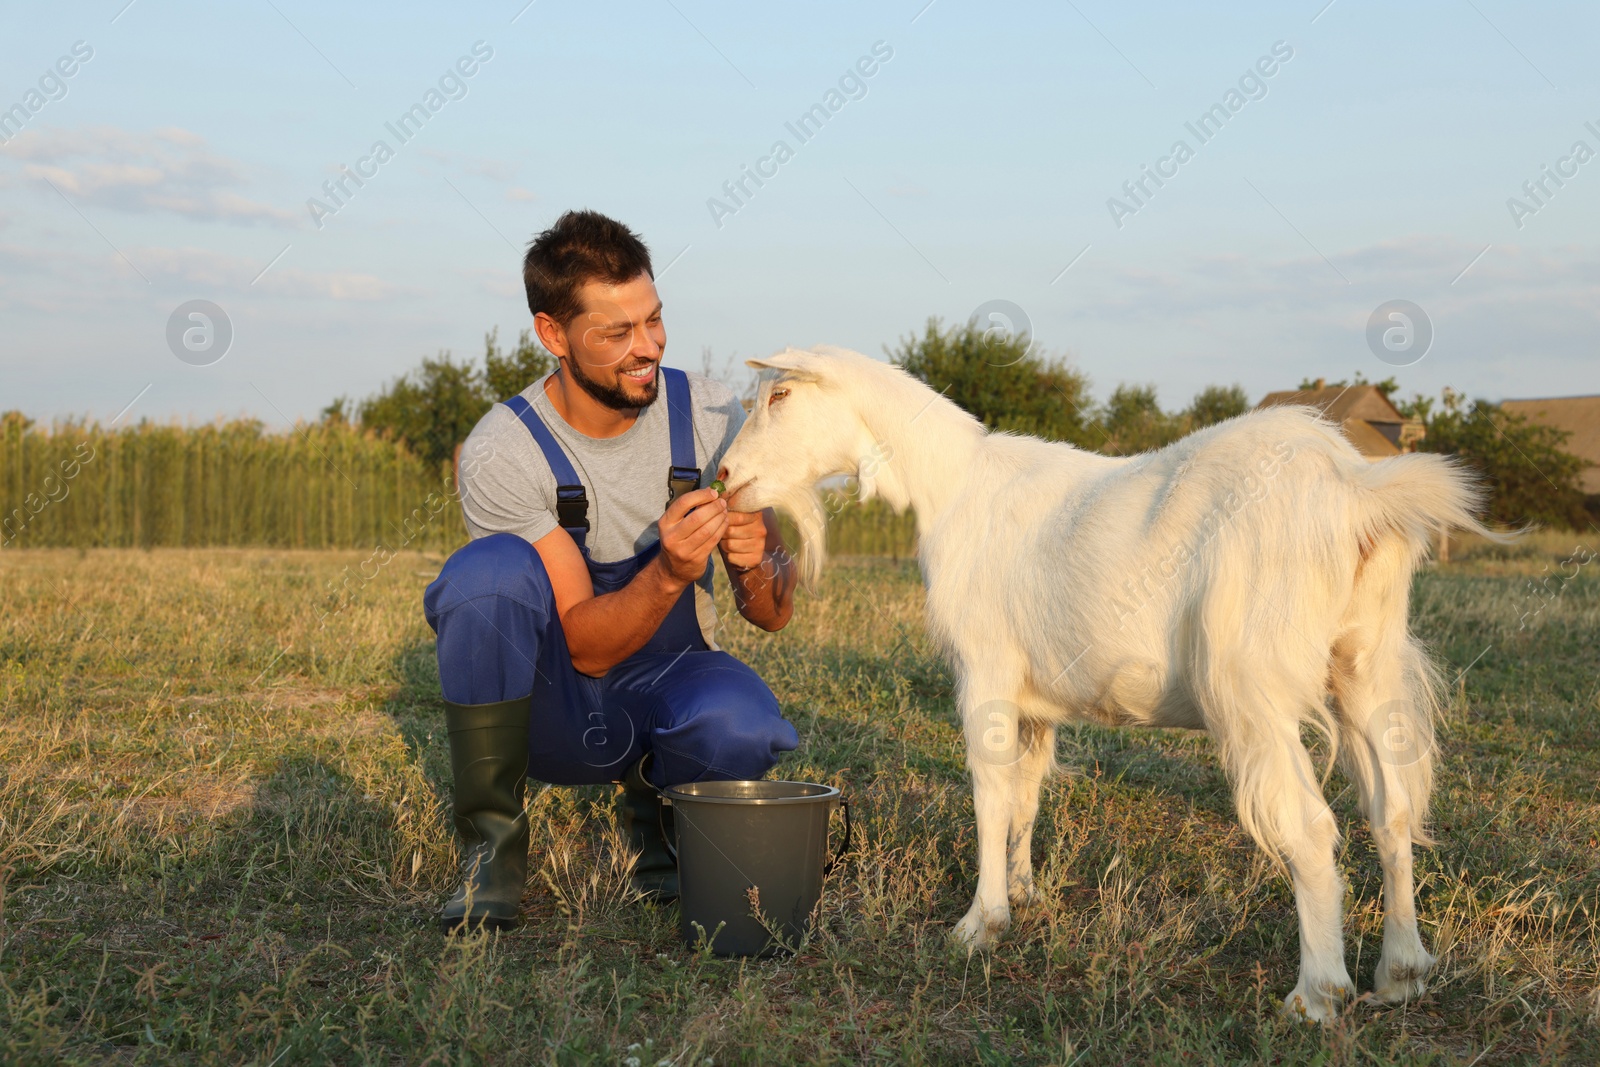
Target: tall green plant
x=318, y=485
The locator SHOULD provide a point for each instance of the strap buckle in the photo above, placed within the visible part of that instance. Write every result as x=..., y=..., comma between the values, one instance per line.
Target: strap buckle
x=681, y=480
x=572, y=507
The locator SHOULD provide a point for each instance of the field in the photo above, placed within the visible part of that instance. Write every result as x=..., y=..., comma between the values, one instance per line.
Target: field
x=222, y=840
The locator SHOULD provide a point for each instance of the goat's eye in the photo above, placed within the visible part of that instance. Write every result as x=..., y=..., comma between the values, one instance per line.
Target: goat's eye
x=777, y=395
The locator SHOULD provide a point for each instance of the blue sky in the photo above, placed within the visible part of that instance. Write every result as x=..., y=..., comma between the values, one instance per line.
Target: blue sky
x=974, y=164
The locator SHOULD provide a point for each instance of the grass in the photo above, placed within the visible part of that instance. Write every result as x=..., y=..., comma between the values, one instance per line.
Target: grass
x=222, y=840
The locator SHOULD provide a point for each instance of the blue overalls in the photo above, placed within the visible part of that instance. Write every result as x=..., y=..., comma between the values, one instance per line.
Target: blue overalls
x=703, y=713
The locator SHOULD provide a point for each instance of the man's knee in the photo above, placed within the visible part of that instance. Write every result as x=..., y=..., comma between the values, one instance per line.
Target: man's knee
x=500, y=565
x=493, y=609
x=730, y=727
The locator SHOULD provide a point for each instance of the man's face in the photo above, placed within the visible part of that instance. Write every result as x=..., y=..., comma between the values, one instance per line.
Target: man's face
x=615, y=343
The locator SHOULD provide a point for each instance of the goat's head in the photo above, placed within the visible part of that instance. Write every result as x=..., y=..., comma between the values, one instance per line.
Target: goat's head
x=806, y=427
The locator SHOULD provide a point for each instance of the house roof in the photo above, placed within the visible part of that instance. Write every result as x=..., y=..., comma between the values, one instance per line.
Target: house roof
x=1355, y=408
x=1580, y=417
x=1340, y=402
x=1368, y=441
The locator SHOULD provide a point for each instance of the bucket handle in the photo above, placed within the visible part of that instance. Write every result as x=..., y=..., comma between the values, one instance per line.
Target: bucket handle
x=661, y=821
x=833, y=861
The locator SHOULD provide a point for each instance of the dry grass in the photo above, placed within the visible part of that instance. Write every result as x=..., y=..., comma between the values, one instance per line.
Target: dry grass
x=222, y=840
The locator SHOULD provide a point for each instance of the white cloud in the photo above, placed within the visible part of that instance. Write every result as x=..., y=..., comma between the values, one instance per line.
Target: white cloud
x=200, y=269
x=1521, y=321
x=165, y=170
x=497, y=282
x=493, y=169
x=339, y=285
x=1424, y=268
x=199, y=266
x=515, y=193
x=29, y=268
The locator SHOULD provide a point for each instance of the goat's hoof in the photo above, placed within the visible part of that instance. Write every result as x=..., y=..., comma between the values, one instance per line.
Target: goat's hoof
x=1400, y=975
x=1316, y=1005
x=979, y=930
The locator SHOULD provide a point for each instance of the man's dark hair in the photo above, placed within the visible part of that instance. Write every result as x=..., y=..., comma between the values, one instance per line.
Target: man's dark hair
x=582, y=247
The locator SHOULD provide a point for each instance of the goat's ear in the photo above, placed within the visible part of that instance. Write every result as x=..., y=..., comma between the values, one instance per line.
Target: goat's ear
x=792, y=362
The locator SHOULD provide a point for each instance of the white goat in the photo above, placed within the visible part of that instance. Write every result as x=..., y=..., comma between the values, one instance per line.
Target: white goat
x=1233, y=581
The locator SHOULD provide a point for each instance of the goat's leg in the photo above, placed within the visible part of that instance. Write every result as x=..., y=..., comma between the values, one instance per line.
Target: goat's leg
x=1404, y=962
x=1281, y=805
x=1037, y=743
x=1385, y=753
x=990, y=912
x=1319, y=901
x=991, y=735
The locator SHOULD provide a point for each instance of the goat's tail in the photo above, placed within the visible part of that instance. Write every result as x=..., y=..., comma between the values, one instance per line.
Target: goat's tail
x=1421, y=493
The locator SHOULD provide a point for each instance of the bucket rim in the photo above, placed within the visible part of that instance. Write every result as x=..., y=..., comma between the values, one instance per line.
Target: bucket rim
x=676, y=793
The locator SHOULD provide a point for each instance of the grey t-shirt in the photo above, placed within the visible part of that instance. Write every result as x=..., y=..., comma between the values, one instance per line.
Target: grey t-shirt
x=507, y=487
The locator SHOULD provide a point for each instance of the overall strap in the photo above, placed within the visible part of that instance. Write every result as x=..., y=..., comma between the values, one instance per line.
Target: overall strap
x=683, y=476
x=572, y=503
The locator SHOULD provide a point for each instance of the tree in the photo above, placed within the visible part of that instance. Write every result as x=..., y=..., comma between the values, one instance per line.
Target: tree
x=1000, y=380
x=433, y=408
x=339, y=412
x=1531, y=478
x=1004, y=383
x=14, y=422
x=1388, y=387
x=506, y=374
x=1134, y=422
x=1216, y=403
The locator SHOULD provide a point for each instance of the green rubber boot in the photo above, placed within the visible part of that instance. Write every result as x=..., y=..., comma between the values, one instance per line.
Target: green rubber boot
x=489, y=761
x=646, y=825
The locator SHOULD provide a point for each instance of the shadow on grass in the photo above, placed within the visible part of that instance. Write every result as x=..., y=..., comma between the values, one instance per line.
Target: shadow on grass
x=207, y=936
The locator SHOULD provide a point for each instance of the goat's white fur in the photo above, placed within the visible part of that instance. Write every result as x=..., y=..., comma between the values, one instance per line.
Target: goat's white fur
x=1246, y=580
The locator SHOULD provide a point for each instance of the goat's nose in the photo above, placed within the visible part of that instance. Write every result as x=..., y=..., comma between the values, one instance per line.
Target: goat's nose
x=722, y=472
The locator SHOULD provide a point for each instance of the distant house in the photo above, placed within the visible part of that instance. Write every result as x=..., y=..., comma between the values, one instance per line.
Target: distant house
x=1580, y=417
x=1368, y=419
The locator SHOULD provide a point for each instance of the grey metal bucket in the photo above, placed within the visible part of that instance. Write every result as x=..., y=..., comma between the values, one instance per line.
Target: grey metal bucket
x=748, y=845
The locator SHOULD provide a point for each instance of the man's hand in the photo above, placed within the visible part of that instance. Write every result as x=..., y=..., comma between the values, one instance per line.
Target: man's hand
x=744, y=541
x=759, y=568
x=691, y=526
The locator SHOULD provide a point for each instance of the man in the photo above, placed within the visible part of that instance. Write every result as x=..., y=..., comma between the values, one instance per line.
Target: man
x=576, y=630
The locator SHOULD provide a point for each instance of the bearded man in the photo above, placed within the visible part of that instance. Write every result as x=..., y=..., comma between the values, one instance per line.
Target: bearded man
x=576, y=631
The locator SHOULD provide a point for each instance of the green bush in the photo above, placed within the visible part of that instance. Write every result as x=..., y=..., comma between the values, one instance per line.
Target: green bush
x=1001, y=380
x=998, y=379
x=1530, y=476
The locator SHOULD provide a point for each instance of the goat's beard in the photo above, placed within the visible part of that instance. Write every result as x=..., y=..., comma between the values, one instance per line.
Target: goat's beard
x=803, y=504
